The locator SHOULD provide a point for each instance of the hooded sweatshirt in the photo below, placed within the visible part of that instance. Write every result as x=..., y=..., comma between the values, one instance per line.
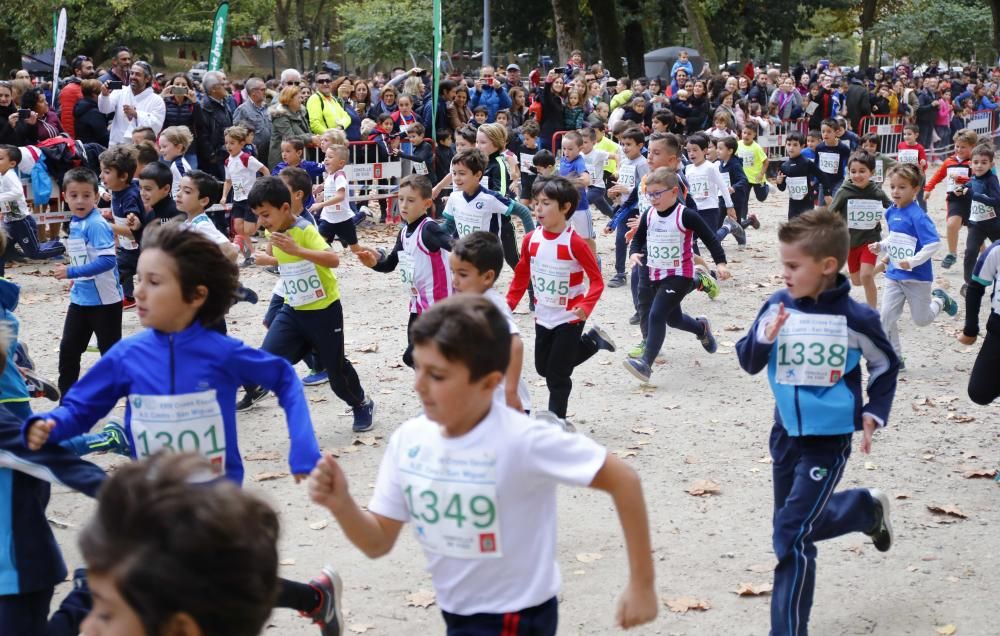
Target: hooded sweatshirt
x=863, y=209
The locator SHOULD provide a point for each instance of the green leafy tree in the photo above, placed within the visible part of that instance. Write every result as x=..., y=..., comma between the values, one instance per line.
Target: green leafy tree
x=387, y=30
x=926, y=29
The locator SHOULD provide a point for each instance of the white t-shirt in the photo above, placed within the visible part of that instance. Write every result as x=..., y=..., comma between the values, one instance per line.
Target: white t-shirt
x=177, y=172
x=523, y=393
x=501, y=477
x=341, y=211
x=242, y=171
x=706, y=185
x=204, y=226
x=596, y=161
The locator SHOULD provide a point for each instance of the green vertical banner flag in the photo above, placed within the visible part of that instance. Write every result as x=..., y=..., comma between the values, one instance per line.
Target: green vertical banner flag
x=218, y=37
x=437, y=68
x=59, y=41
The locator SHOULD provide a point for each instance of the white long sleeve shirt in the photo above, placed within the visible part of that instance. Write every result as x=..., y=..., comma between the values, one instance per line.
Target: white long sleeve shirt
x=13, y=206
x=149, y=108
x=707, y=185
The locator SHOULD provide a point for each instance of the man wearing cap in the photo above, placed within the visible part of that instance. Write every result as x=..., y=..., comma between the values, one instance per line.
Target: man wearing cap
x=83, y=68
x=514, y=76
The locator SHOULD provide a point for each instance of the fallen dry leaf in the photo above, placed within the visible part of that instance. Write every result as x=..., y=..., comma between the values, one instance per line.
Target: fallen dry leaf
x=704, y=488
x=368, y=348
x=682, y=604
x=733, y=328
x=589, y=557
x=961, y=419
x=287, y=562
x=946, y=630
x=902, y=495
x=420, y=598
x=624, y=454
x=749, y=589
x=367, y=440
x=951, y=511
x=269, y=476
x=870, y=466
x=982, y=473
x=360, y=628
x=319, y=525
x=644, y=431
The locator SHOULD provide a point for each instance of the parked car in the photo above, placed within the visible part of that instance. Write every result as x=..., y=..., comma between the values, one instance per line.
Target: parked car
x=198, y=71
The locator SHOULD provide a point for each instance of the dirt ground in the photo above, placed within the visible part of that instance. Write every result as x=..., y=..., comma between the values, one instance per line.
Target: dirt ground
x=704, y=420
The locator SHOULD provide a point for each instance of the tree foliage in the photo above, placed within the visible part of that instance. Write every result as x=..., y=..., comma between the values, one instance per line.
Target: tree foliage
x=389, y=30
x=925, y=29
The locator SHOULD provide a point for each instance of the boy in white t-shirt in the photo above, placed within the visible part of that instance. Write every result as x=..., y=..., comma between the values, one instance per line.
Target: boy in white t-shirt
x=476, y=261
x=478, y=482
x=336, y=220
x=596, y=160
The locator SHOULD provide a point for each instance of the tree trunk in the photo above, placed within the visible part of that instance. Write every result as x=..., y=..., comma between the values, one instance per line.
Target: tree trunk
x=700, y=37
x=158, y=60
x=635, y=38
x=786, y=53
x=995, y=8
x=868, y=8
x=609, y=34
x=567, y=21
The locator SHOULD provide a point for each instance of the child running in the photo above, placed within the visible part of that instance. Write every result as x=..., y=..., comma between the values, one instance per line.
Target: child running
x=811, y=337
x=664, y=240
x=420, y=253
x=476, y=261
x=312, y=316
x=957, y=171
x=496, y=572
x=862, y=203
x=336, y=220
x=912, y=241
x=174, y=143
x=984, y=189
x=242, y=169
x=554, y=260
x=798, y=175
x=983, y=385
x=180, y=378
x=95, y=299
x=118, y=167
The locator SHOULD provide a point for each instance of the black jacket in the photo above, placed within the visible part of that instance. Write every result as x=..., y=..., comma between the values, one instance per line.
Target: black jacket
x=210, y=138
x=90, y=124
x=858, y=102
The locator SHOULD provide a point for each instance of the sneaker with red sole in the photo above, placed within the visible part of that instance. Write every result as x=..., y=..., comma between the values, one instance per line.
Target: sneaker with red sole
x=128, y=303
x=328, y=615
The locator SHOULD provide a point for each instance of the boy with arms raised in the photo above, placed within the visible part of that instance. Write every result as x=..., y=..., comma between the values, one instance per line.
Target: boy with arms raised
x=811, y=337
x=496, y=572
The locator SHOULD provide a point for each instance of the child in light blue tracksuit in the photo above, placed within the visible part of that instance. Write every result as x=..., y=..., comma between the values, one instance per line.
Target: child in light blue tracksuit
x=811, y=337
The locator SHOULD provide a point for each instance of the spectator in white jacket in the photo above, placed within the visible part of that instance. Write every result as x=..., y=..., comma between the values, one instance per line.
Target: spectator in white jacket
x=136, y=106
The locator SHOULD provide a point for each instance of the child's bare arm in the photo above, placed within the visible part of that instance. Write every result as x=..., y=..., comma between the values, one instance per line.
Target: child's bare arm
x=513, y=376
x=638, y=603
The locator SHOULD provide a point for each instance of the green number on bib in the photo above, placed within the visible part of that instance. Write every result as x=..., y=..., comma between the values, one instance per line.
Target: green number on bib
x=166, y=439
x=215, y=442
x=817, y=349
x=454, y=510
x=142, y=437
x=431, y=505
x=483, y=507
x=190, y=435
x=837, y=355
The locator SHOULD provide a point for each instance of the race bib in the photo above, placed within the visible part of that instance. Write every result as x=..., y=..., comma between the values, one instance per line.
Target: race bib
x=77, y=250
x=185, y=423
x=300, y=282
x=527, y=162
x=699, y=186
x=125, y=242
x=981, y=212
x=406, y=270
x=953, y=174
x=747, y=160
x=798, y=187
x=812, y=350
x=626, y=176
x=726, y=179
x=239, y=190
x=467, y=222
x=664, y=249
x=909, y=156
x=901, y=247
x=452, y=500
x=811, y=108
x=829, y=162
x=596, y=176
x=419, y=167
x=864, y=214
x=879, y=166
x=551, y=282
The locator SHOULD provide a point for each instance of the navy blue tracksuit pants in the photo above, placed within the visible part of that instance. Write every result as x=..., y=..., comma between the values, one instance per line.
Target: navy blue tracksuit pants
x=541, y=620
x=806, y=471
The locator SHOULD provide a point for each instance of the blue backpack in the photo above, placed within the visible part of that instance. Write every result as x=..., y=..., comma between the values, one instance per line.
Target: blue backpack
x=41, y=182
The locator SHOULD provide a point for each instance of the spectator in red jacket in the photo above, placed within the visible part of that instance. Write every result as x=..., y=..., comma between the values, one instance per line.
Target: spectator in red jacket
x=83, y=68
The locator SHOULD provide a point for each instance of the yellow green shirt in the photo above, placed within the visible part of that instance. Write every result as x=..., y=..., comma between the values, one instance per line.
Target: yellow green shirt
x=753, y=158
x=302, y=280
x=610, y=147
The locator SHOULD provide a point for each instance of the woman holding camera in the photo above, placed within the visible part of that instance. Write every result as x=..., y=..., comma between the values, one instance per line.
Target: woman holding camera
x=36, y=122
x=183, y=109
